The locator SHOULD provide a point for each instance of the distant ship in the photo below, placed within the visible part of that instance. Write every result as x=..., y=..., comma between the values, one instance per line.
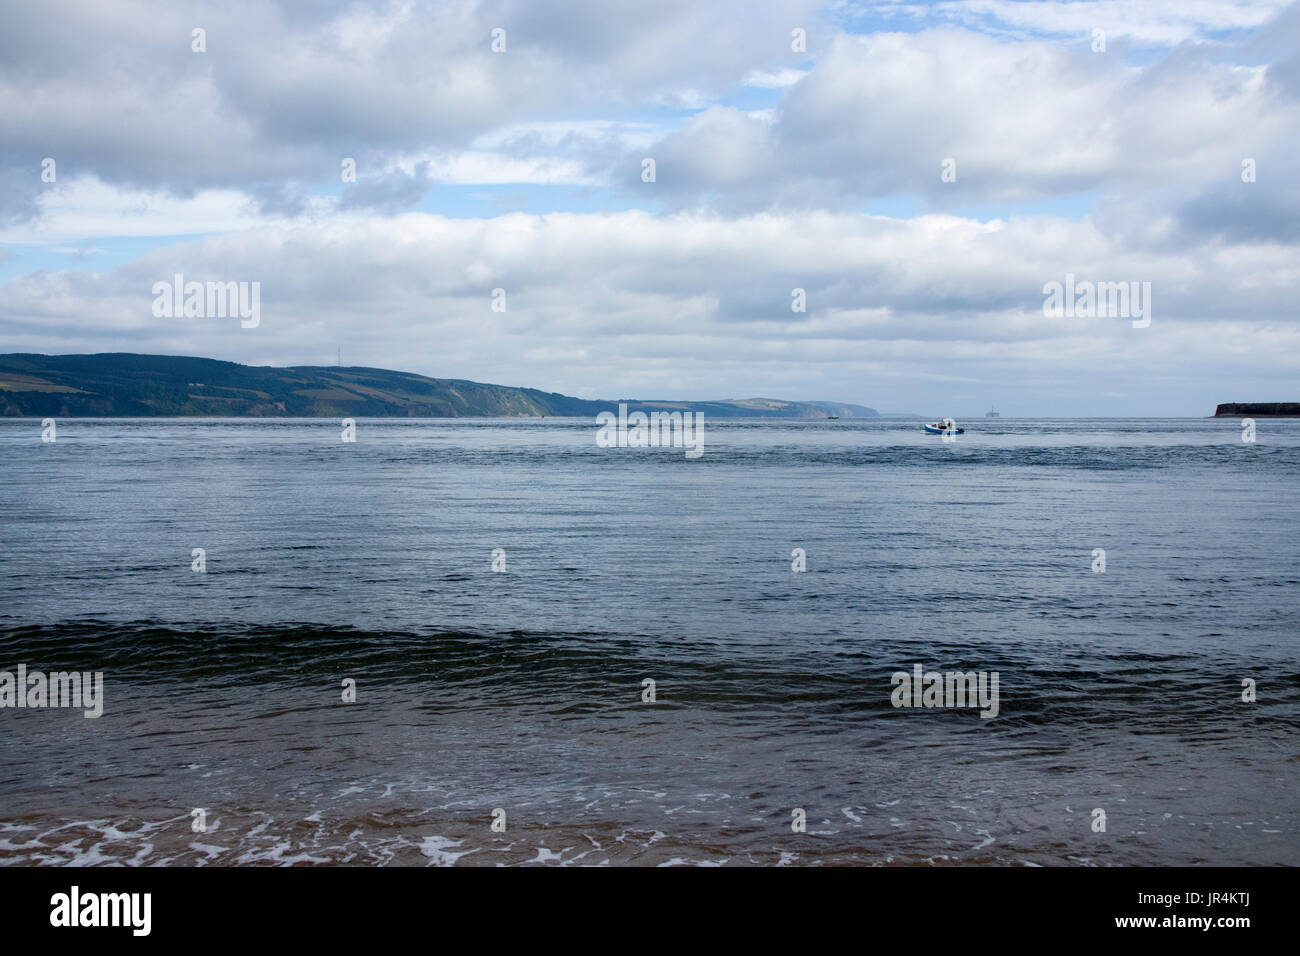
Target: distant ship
x=991, y=414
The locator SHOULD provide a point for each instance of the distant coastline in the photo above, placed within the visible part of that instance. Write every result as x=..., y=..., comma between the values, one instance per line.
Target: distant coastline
x=127, y=385
x=1258, y=410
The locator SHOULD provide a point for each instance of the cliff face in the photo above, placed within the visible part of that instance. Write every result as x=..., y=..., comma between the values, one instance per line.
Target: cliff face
x=123, y=385
x=1258, y=410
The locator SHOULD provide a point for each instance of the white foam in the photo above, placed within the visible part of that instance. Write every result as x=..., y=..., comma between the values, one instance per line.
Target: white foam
x=438, y=850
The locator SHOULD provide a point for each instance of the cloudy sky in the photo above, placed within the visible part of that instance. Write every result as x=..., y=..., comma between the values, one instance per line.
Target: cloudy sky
x=1106, y=139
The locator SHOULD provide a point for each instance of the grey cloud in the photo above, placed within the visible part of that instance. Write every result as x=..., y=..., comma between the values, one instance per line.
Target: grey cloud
x=19, y=188
x=391, y=192
x=284, y=199
x=1239, y=212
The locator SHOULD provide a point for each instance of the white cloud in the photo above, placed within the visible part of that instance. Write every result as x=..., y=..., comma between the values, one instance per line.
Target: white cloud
x=1022, y=120
x=1150, y=22
x=698, y=306
x=774, y=80
x=85, y=207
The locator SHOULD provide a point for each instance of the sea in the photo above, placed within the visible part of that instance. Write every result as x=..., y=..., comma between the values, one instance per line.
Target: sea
x=494, y=642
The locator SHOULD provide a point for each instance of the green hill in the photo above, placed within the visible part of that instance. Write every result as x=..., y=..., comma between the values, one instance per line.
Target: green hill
x=121, y=385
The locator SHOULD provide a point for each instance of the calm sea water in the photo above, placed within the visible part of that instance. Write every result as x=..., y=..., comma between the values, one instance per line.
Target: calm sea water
x=522, y=690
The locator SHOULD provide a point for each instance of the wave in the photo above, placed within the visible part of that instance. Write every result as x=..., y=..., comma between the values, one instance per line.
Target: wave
x=585, y=672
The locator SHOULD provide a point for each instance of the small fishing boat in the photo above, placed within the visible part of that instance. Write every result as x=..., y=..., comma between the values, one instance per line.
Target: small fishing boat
x=944, y=425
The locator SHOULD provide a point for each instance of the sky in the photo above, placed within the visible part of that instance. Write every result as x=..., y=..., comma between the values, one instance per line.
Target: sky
x=922, y=172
